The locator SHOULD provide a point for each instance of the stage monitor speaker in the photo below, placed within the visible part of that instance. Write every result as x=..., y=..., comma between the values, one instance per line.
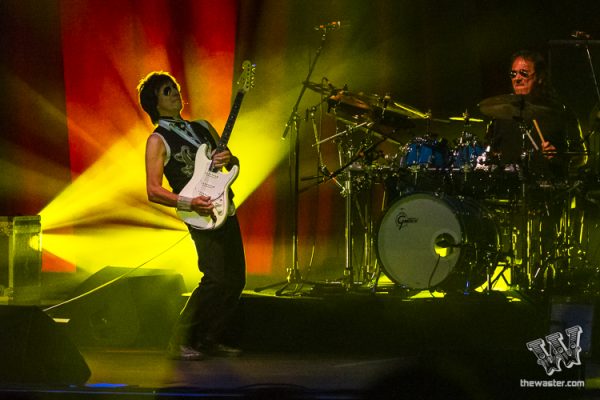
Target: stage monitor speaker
x=35, y=350
x=137, y=310
x=566, y=312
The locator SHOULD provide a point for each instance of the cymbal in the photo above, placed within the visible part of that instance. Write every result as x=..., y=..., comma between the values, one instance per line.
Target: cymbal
x=388, y=105
x=409, y=111
x=463, y=119
x=568, y=153
x=510, y=106
x=389, y=119
x=379, y=104
x=349, y=106
x=384, y=117
x=321, y=87
x=349, y=98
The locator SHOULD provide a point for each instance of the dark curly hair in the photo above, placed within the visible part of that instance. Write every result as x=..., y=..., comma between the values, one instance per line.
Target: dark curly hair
x=148, y=91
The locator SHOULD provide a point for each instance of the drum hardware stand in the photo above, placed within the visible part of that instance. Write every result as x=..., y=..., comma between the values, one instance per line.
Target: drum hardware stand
x=514, y=232
x=348, y=279
x=496, y=260
x=350, y=129
x=293, y=124
x=322, y=170
x=528, y=239
x=491, y=282
x=348, y=265
x=365, y=274
x=572, y=246
x=585, y=39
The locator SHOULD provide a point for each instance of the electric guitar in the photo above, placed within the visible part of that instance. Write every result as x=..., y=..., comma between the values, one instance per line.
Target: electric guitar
x=211, y=182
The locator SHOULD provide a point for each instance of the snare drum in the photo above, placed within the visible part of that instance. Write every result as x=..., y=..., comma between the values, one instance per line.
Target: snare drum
x=426, y=241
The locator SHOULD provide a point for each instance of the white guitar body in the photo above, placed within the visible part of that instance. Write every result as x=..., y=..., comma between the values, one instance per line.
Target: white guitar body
x=215, y=185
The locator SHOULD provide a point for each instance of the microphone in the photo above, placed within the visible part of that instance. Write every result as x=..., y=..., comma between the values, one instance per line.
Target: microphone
x=329, y=26
x=447, y=243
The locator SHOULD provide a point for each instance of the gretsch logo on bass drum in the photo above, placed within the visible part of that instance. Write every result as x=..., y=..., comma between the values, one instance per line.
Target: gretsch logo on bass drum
x=402, y=219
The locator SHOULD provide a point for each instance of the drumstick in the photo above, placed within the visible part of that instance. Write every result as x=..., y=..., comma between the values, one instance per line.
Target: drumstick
x=537, y=128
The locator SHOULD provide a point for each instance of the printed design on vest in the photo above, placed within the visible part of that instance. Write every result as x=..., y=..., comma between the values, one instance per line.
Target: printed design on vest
x=186, y=157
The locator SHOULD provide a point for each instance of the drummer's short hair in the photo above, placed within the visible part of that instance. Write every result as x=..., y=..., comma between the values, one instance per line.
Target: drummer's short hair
x=148, y=91
x=542, y=84
x=537, y=58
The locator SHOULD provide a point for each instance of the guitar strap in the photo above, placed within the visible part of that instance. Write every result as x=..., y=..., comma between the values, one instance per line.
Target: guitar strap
x=210, y=140
x=187, y=134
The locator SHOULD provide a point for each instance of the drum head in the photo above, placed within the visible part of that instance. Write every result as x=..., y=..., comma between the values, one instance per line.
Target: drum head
x=416, y=238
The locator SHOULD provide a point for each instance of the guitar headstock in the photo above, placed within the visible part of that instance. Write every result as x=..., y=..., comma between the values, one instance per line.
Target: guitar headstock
x=246, y=79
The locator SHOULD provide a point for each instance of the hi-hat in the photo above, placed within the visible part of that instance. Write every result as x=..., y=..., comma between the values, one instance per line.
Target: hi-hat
x=511, y=106
x=389, y=117
x=322, y=87
x=349, y=106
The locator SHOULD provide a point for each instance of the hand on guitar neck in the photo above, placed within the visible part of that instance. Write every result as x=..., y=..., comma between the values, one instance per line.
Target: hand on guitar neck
x=220, y=159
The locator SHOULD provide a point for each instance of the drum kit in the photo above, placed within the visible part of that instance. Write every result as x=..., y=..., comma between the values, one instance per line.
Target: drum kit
x=452, y=218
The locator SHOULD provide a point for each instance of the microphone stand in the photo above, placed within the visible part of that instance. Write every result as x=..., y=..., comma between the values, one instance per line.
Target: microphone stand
x=293, y=125
x=589, y=57
x=585, y=40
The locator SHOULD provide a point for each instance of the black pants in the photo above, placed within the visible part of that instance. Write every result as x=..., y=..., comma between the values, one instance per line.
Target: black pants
x=212, y=304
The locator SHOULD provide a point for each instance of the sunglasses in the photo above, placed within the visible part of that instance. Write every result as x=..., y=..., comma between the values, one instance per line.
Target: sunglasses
x=168, y=90
x=524, y=73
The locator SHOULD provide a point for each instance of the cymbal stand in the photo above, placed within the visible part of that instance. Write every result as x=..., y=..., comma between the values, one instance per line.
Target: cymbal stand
x=528, y=252
x=573, y=249
x=366, y=271
x=592, y=69
x=346, y=152
x=323, y=171
x=348, y=265
x=347, y=158
x=294, y=276
x=595, y=82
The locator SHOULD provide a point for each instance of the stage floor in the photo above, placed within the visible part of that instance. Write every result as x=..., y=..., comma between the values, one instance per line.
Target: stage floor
x=332, y=345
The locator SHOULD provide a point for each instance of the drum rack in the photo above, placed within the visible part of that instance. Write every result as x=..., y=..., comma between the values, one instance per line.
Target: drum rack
x=490, y=225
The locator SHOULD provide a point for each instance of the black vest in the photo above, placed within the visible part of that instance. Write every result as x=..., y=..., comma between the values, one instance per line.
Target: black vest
x=180, y=167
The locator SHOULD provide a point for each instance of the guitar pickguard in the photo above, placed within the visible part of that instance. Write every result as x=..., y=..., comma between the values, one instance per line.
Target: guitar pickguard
x=214, y=184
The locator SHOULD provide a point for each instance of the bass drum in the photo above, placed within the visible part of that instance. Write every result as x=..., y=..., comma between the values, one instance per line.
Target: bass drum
x=426, y=241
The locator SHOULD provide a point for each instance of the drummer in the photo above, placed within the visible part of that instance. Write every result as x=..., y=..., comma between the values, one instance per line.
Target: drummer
x=534, y=133
x=533, y=128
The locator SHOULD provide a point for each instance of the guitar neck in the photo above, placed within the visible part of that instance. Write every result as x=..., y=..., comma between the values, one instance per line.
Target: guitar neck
x=235, y=108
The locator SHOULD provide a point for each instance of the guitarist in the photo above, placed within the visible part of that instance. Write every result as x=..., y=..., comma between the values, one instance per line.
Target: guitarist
x=171, y=151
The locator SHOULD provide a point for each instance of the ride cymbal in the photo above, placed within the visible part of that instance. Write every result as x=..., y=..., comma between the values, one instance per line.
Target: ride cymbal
x=511, y=106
